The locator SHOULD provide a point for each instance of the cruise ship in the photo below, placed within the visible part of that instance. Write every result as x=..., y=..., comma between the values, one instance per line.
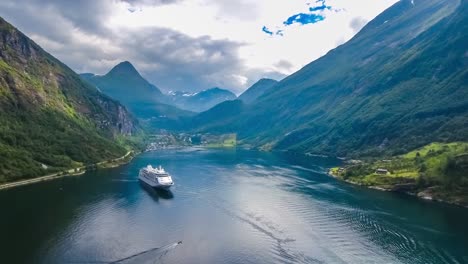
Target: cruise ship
x=155, y=177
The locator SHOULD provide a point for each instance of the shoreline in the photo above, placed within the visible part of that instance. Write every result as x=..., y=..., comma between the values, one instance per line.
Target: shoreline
x=424, y=194
x=70, y=172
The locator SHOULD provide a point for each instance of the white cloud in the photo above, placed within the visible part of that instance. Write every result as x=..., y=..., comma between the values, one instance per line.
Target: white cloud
x=300, y=44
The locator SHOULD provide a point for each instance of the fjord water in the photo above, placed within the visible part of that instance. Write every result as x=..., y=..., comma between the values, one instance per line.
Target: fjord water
x=228, y=206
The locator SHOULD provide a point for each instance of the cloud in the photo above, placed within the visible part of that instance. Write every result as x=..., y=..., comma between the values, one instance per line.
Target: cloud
x=132, y=9
x=239, y=10
x=170, y=59
x=177, y=61
x=357, y=23
x=190, y=45
x=85, y=14
x=138, y=5
x=152, y=2
x=284, y=65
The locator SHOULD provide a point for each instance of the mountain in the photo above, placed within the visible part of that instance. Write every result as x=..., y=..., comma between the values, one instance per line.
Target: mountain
x=399, y=84
x=217, y=116
x=256, y=90
x=202, y=101
x=50, y=119
x=125, y=84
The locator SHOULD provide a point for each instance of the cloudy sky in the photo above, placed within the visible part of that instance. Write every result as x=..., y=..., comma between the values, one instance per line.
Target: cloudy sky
x=192, y=45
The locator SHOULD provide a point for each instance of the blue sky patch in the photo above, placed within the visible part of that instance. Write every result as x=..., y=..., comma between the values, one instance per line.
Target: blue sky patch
x=313, y=14
x=319, y=8
x=266, y=30
x=278, y=32
x=303, y=19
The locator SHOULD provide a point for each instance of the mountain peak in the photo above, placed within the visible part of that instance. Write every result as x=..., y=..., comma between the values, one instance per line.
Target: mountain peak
x=203, y=100
x=216, y=90
x=125, y=84
x=124, y=68
x=266, y=80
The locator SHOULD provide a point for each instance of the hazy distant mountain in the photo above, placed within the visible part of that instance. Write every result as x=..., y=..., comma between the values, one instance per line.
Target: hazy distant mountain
x=49, y=118
x=256, y=90
x=200, y=101
x=125, y=84
x=400, y=83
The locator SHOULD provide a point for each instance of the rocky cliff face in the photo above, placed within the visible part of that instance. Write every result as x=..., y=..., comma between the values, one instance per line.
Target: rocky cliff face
x=125, y=124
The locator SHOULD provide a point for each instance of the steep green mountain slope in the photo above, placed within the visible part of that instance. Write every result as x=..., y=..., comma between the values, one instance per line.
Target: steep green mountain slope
x=219, y=115
x=256, y=90
x=49, y=118
x=399, y=84
x=201, y=101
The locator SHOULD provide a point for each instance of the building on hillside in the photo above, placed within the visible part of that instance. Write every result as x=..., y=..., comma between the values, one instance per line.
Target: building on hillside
x=382, y=171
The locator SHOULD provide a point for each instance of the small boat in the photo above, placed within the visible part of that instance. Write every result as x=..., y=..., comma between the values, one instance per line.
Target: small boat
x=155, y=177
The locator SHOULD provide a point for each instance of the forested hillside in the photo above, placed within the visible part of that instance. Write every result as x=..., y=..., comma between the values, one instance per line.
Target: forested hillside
x=399, y=84
x=49, y=118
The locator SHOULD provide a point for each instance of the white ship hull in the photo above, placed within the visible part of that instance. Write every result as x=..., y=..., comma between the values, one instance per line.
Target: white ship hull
x=155, y=184
x=155, y=177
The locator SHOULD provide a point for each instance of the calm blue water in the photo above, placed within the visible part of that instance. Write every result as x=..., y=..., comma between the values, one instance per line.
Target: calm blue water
x=227, y=207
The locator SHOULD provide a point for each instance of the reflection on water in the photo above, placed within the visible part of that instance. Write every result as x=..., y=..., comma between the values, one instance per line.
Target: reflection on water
x=226, y=206
x=156, y=193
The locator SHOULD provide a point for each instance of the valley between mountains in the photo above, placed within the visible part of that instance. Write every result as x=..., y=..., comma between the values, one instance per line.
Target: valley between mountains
x=394, y=98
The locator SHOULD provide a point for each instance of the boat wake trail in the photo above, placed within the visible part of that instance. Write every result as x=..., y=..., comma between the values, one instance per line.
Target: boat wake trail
x=123, y=180
x=147, y=256
x=281, y=251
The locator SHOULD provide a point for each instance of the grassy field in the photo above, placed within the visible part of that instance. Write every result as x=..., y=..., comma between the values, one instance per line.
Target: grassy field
x=440, y=169
x=225, y=141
